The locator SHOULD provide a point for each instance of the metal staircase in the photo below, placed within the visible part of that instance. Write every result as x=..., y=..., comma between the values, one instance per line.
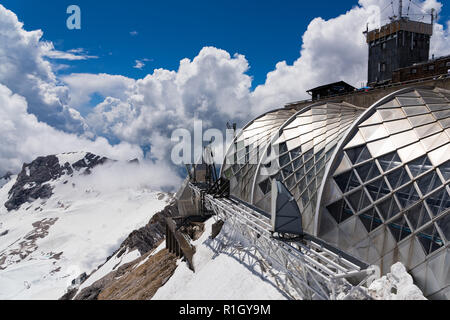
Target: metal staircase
x=314, y=269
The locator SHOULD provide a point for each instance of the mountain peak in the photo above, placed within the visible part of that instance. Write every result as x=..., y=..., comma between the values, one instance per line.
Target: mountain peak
x=34, y=180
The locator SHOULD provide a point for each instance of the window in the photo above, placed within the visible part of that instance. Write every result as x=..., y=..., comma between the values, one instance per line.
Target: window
x=383, y=45
x=413, y=71
x=448, y=64
x=431, y=67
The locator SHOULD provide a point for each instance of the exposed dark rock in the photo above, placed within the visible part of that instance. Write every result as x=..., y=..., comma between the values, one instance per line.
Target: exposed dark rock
x=144, y=239
x=89, y=161
x=23, y=247
x=69, y=294
x=4, y=233
x=132, y=282
x=80, y=279
x=33, y=181
x=216, y=228
x=7, y=176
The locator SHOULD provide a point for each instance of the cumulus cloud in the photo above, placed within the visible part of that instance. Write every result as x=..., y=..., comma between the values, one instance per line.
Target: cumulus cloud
x=24, y=69
x=123, y=175
x=83, y=85
x=24, y=137
x=212, y=87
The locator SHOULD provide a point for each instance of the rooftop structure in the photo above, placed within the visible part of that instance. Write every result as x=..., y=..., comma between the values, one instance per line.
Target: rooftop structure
x=331, y=89
x=398, y=44
x=374, y=182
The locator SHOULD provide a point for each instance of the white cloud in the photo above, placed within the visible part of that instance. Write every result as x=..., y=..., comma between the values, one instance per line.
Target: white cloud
x=134, y=33
x=25, y=71
x=83, y=85
x=213, y=87
x=122, y=175
x=140, y=64
x=24, y=137
x=71, y=55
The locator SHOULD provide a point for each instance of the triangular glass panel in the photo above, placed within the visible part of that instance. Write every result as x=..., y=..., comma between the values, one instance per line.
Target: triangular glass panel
x=299, y=174
x=445, y=170
x=377, y=189
x=296, y=152
x=358, y=154
x=407, y=196
x=389, y=161
x=388, y=208
x=305, y=198
x=399, y=228
x=284, y=160
x=368, y=171
x=347, y=181
x=417, y=216
x=430, y=239
x=309, y=164
x=370, y=219
x=444, y=225
x=282, y=148
x=298, y=162
x=363, y=201
x=419, y=165
x=429, y=182
x=398, y=178
x=340, y=211
x=438, y=201
x=308, y=154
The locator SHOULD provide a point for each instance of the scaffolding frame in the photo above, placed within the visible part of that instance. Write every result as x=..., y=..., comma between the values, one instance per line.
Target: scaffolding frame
x=312, y=270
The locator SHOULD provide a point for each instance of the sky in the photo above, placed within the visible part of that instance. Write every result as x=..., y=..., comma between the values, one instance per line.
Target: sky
x=167, y=31
x=138, y=70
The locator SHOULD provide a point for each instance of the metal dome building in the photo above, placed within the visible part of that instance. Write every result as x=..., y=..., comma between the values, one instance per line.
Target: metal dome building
x=373, y=182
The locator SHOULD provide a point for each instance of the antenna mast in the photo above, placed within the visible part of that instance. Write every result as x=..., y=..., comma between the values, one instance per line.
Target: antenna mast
x=400, y=8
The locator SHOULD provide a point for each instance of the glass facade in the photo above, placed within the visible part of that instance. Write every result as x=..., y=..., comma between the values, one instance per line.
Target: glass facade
x=299, y=153
x=386, y=196
x=373, y=182
x=243, y=155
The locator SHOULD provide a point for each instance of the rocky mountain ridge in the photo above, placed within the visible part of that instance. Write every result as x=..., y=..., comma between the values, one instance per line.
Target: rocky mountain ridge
x=32, y=182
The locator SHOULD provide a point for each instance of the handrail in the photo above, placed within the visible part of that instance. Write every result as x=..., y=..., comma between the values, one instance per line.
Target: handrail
x=321, y=270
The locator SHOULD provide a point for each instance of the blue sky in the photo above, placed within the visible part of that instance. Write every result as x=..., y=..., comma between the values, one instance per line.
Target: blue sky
x=264, y=31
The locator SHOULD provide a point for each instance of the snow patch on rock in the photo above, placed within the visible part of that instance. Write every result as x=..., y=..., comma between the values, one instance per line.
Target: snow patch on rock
x=70, y=157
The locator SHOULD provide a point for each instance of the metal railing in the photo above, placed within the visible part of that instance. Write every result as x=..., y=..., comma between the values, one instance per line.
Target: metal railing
x=312, y=270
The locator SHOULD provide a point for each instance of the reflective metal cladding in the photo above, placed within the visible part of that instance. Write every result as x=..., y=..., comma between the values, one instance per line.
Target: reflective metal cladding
x=373, y=182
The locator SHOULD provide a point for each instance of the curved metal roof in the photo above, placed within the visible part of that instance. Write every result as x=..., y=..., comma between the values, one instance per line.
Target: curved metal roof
x=374, y=183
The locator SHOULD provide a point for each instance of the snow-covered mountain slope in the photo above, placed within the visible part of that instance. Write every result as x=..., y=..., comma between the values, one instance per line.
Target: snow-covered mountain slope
x=5, y=179
x=64, y=215
x=222, y=271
